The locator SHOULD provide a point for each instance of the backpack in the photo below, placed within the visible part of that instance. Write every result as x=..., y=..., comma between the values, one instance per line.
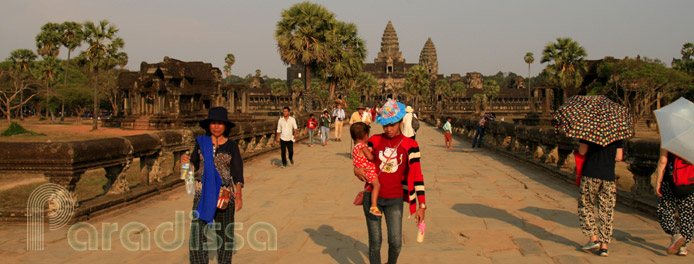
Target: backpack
x=683, y=177
x=415, y=123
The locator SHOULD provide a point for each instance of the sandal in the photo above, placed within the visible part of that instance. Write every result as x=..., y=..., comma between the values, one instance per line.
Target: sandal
x=374, y=211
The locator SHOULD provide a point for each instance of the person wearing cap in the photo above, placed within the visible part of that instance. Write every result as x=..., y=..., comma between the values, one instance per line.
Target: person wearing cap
x=218, y=165
x=401, y=179
x=339, y=115
x=286, y=130
x=359, y=116
x=407, y=128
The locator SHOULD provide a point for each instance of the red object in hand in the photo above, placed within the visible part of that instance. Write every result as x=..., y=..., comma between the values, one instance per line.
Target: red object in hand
x=579, y=166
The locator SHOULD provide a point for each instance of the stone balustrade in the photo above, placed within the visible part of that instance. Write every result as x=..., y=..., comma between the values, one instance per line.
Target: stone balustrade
x=64, y=163
x=550, y=149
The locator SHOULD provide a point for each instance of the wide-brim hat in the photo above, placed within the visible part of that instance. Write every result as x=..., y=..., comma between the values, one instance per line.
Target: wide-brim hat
x=409, y=109
x=217, y=114
x=391, y=113
x=361, y=107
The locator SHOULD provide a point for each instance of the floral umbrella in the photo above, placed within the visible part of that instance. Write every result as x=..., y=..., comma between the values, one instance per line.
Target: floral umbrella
x=594, y=118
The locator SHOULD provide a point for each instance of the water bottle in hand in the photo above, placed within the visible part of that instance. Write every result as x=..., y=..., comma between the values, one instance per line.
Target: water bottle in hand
x=420, y=233
x=184, y=170
x=190, y=183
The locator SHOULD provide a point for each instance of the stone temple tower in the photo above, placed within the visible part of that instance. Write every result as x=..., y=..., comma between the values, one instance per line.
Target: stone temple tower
x=390, y=47
x=427, y=58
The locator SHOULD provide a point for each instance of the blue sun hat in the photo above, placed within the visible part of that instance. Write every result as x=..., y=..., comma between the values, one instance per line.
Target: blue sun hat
x=391, y=113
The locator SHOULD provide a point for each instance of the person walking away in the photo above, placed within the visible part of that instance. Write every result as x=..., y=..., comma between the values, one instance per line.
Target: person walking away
x=676, y=204
x=324, y=127
x=339, y=115
x=448, y=134
x=218, y=170
x=311, y=126
x=363, y=158
x=400, y=175
x=408, y=129
x=598, y=192
x=479, y=131
x=286, y=130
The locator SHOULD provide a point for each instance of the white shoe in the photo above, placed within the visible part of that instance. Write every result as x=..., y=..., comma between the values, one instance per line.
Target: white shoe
x=683, y=251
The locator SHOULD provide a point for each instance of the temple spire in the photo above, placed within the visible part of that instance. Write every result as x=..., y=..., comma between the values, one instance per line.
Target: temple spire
x=428, y=59
x=390, y=47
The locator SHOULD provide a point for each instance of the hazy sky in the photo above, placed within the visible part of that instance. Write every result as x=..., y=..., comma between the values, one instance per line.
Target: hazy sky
x=485, y=36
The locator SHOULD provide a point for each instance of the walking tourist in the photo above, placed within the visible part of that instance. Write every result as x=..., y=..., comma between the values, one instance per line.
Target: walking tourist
x=363, y=158
x=218, y=183
x=479, y=131
x=397, y=165
x=286, y=131
x=676, y=205
x=311, y=125
x=448, y=134
x=598, y=192
x=339, y=115
x=324, y=127
x=408, y=129
x=359, y=116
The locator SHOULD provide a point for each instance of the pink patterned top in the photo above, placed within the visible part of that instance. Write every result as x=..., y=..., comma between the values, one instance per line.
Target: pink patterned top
x=362, y=162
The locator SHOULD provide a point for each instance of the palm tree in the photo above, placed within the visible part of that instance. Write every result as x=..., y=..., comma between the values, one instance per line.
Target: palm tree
x=103, y=45
x=301, y=35
x=566, y=60
x=491, y=90
x=229, y=60
x=529, y=59
x=48, y=41
x=417, y=83
x=22, y=59
x=71, y=38
x=368, y=85
x=346, y=54
x=48, y=68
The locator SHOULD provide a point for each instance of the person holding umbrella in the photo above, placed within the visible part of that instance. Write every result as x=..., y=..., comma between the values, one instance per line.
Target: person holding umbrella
x=600, y=125
x=676, y=204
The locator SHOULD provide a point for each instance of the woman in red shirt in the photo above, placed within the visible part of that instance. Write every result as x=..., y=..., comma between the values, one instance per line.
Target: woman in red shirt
x=311, y=125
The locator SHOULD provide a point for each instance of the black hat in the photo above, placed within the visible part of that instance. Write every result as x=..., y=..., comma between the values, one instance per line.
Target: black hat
x=217, y=114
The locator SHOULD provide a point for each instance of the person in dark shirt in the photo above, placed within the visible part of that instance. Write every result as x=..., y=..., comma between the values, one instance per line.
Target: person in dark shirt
x=598, y=190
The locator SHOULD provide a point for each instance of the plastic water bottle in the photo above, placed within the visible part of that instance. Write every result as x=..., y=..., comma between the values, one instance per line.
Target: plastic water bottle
x=190, y=183
x=420, y=233
x=184, y=170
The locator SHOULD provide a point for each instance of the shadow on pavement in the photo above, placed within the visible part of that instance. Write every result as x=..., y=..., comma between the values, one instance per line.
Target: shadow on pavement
x=483, y=211
x=342, y=248
x=346, y=155
x=627, y=238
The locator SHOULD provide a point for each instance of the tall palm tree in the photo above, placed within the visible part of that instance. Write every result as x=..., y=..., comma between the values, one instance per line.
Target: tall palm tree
x=566, y=62
x=48, y=70
x=301, y=35
x=417, y=83
x=229, y=60
x=48, y=41
x=103, y=45
x=346, y=54
x=529, y=59
x=72, y=37
x=459, y=89
x=491, y=90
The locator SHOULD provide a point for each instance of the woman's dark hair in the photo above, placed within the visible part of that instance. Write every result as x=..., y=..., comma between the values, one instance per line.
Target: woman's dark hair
x=310, y=115
x=226, y=133
x=325, y=112
x=358, y=130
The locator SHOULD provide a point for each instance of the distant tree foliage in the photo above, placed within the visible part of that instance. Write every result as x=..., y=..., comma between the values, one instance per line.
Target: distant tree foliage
x=279, y=89
x=566, y=63
x=686, y=63
x=417, y=83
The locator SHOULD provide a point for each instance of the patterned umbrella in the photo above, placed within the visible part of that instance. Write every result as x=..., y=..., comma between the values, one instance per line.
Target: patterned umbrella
x=594, y=118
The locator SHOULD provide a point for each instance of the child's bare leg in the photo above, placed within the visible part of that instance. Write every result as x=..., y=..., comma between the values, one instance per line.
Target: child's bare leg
x=376, y=188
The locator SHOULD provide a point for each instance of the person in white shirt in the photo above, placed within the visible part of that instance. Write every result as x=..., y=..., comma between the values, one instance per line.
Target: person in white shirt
x=339, y=115
x=407, y=129
x=286, y=130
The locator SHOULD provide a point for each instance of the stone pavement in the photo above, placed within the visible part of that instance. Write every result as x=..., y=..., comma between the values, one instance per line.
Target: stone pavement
x=483, y=208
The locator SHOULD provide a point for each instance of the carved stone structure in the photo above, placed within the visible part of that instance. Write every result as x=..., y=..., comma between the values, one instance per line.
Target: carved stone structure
x=428, y=59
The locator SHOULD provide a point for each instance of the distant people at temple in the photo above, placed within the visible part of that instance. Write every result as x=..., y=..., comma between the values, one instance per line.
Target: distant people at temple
x=367, y=116
x=676, y=205
x=359, y=116
x=218, y=170
x=373, y=113
x=479, y=130
x=408, y=123
x=324, y=127
x=311, y=125
x=598, y=193
x=448, y=134
x=339, y=115
x=286, y=132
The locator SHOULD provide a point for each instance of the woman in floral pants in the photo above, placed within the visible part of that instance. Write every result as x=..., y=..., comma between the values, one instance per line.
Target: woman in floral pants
x=671, y=206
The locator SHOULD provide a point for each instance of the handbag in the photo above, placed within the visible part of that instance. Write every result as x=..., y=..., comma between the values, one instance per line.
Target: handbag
x=223, y=200
x=359, y=200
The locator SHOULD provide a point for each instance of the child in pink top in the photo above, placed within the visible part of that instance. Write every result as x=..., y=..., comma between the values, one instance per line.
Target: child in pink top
x=362, y=157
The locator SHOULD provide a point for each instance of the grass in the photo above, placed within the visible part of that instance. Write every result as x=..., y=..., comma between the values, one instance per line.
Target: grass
x=16, y=129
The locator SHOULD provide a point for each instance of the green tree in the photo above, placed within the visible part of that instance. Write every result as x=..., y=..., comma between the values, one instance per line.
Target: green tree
x=686, y=63
x=566, y=62
x=417, y=83
x=48, y=71
x=229, y=60
x=346, y=54
x=444, y=88
x=48, y=41
x=491, y=90
x=278, y=89
x=459, y=89
x=15, y=80
x=72, y=37
x=529, y=59
x=368, y=86
x=301, y=36
x=104, y=45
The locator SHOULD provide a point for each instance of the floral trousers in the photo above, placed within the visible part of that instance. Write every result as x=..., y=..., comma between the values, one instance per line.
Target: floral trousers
x=676, y=214
x=600, y=195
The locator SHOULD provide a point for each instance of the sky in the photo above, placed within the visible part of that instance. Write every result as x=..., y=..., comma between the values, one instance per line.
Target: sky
x=484, y=36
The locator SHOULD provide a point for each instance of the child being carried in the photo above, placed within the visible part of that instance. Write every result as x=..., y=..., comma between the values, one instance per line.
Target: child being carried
x=362, y=157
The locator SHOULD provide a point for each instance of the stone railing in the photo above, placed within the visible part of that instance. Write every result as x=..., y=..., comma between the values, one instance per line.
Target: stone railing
x=541, y=146
x=64, y=163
